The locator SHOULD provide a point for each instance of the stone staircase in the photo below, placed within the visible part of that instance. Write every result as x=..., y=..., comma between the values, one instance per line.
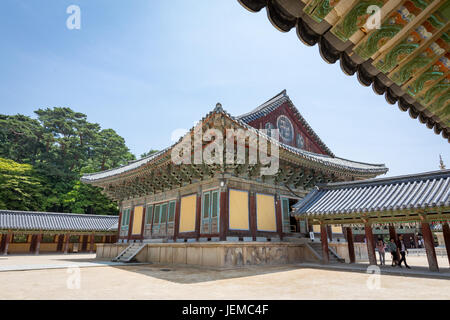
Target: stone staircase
x=129, y=253
x=334, y=258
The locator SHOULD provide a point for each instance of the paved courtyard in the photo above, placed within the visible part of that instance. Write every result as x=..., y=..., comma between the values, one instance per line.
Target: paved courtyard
x=147, y=281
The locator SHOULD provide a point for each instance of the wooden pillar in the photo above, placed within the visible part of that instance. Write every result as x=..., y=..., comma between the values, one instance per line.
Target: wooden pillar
x=446, y=232
x=7, y=241
x=330, y=233
x=351, y=245
x=279, y=217
x=38, y=243
x=393, y=234
x=224, y=215
x=66, y=243
x=176, y=226
x=144, y=210
x=32, y=242
x=252, y=208
x=416, y=242
x=324, y=240
x=119, y=226
x=198, y=216
x=59, y=246
x=92, y=243
x=130, y=225
x=370, y=244
x=429, y=247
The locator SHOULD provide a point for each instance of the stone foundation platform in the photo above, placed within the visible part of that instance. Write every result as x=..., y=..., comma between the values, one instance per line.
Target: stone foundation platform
x=216, y=254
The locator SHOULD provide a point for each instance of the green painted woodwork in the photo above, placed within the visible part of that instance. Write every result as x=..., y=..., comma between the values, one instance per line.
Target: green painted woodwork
x=149, y=214
x=355, y=19
x=210, y=212
x=418, y=85
x=392, y=58
x=439, y=103
x=407, y=71
x=377, y=39
x=319, y=9
x=421, y=3
x=434, y=91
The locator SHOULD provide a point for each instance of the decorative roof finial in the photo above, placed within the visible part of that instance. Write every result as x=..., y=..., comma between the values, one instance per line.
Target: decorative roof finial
x=218, y=107
x=441, y=163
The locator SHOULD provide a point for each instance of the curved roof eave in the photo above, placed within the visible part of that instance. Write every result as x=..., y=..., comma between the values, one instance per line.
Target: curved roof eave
x=334, y=162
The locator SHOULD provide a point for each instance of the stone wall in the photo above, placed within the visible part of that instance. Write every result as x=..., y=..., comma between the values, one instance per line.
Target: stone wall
x=216, y=254
x=341, y=249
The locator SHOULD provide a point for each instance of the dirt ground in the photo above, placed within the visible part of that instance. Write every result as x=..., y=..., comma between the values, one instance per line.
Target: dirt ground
x=182, y=282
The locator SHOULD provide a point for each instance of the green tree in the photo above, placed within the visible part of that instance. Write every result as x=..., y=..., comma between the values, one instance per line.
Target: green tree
x=146, y=154
x=20, y=186
x=59, y=147
x=110, y=150
x=21, y=138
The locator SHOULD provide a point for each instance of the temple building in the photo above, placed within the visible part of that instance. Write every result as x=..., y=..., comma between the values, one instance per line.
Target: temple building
x=398, y=47
x=209, y=201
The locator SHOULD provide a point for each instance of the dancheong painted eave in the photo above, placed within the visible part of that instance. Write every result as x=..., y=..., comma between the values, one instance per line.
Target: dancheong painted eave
x=424, y=192
x=314, y=160
x=405, y=57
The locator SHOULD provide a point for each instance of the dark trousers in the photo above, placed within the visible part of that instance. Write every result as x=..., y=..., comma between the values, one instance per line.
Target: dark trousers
x=394, y=258
x=403, y=258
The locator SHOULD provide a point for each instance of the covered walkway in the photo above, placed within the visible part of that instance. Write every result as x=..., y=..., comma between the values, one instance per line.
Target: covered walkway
x=420, y=198
x=34, y=232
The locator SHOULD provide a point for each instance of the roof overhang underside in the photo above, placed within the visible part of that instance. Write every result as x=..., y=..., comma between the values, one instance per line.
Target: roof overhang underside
x=158, y=168
x=406, y=58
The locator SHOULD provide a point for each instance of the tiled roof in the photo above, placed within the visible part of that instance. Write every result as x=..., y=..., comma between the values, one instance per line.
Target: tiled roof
x=330, y=161
x=419, y=191
x=271, y=105
x=30, y=220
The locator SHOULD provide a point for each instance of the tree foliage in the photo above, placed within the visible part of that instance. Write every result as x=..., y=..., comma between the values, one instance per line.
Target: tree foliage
x=20, y=186
x=44, y=158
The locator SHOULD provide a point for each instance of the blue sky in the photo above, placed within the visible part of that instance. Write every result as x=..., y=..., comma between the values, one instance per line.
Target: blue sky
x=148, y=67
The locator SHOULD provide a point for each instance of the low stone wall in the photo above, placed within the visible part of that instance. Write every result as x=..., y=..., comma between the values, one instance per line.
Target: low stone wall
x=217, y=254
x=341, y=249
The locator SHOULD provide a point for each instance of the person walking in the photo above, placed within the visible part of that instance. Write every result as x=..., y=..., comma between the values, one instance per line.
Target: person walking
x=392, y=248
x=381, y=252
x=411, y=243
x=403, y=251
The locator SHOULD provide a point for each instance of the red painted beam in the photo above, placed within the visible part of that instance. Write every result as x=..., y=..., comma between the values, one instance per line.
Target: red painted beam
x=370, y=244
x=7, y=241
x=252, y=207
x=66, y=243
x=176, y=226
x=351, y=245
x=38, y=243
x=446, y=232
x=92, y=240
x=324, y=240
x=279, y=217
x=223, y=215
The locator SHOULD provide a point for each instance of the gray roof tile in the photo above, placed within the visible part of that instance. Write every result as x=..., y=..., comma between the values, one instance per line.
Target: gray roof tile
x=425, y=190
x=30, y=220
